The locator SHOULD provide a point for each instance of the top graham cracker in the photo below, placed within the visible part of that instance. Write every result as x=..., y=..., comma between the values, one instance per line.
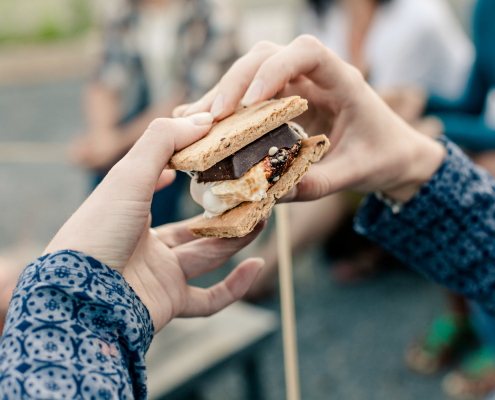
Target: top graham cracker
x=236, y=131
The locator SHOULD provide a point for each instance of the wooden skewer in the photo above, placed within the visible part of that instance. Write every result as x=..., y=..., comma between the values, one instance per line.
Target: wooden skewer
x=287, y=303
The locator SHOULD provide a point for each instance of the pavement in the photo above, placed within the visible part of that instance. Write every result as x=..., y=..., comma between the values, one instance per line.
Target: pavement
x=51, y=61
x=351, y=338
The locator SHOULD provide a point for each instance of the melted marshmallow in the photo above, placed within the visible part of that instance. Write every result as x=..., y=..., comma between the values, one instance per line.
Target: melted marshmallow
x=218, y=197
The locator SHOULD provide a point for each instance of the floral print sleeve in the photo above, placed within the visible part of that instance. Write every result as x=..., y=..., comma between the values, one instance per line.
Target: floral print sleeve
x=74, y=330
x=447, y=231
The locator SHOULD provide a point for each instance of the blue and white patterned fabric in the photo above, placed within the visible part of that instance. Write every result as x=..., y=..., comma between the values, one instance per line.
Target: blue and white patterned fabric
x=75, y=330
x=447, y=231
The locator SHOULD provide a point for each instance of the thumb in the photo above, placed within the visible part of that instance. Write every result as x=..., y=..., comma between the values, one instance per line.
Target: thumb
x=165, y=136
x=141, y=168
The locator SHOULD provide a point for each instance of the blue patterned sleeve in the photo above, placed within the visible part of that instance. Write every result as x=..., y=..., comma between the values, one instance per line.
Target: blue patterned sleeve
x=447, y=231
x=74, y=330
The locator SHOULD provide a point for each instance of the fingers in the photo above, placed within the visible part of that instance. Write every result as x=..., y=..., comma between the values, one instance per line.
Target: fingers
x=203, y=255
x=204, y=302
x=166, y=178
x=179, y=110
x=266, y=69
x=223, y=100
x=309, y=57
x=136, y=175
x=177, y=233
x=239, y=77
x=203, y=104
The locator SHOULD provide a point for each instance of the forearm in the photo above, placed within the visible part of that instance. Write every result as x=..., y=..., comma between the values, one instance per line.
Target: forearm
x=133, y=130
x=74, y=325
x=472, y=100
x=101, y=106
x=446, y=231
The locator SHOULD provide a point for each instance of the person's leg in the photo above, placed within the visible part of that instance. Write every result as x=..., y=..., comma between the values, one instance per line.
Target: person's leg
x=475, y=377
x=444, y=338
x=310, y=224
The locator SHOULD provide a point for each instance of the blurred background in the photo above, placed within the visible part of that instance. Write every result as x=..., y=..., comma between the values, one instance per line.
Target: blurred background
x=79, y=82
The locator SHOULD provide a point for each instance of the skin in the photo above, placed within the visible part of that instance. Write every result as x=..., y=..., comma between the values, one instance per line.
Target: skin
x=113, y=226
x=372, y=147
x=105, y=140
x=361, y=13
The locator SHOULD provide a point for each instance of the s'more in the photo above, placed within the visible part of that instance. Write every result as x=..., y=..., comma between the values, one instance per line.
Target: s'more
x=246, y=163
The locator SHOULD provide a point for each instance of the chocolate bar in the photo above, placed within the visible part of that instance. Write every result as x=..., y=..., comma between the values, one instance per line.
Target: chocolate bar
x=236, y=165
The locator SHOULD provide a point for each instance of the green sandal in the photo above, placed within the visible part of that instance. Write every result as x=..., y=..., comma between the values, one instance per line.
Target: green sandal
x=437, y=349
x=475, y=378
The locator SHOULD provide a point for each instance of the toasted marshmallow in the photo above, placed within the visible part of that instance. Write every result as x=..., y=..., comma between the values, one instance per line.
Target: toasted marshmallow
x=218, y=197
x=299, y=129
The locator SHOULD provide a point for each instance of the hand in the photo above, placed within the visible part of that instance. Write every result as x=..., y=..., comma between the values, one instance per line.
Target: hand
x=98, y=150
x=371, y=147
x=113, y=226
x=409, y=102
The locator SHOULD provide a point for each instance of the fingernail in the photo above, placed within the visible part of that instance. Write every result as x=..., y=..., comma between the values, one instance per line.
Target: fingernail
x=217, y=107
x=254, y=93
x=177, y=111
x=194, y=108
x=201, y=119
x=261, y=261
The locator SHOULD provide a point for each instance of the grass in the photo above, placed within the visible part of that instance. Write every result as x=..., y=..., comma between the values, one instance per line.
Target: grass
x=50, y=29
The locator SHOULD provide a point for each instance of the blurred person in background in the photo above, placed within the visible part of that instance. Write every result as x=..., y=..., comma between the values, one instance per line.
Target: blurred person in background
x=157, y=54
x=469, y=121
x=392, y=42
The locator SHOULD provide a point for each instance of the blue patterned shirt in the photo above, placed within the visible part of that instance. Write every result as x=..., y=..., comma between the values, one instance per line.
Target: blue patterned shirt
x=75, y=330
x=447, y=231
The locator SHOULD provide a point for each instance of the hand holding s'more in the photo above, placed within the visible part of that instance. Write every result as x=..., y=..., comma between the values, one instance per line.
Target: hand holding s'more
x=246, y=163
x=367, y=152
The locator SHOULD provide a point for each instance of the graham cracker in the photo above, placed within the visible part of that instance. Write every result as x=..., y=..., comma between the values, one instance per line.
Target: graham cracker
x=242, y=219
x=236, y=131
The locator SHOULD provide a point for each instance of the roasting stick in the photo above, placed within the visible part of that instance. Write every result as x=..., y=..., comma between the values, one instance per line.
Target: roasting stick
x=287, y=303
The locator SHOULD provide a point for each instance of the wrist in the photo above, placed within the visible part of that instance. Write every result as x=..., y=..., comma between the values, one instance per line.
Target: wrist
x=425, y=157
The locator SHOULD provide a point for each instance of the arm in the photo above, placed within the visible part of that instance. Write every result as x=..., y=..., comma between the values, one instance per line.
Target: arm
x=130, y=132
x=472, y=100
x=106, y=140
x=102, y=108
x=74, y=326
x=447, y=231
x=116, y=93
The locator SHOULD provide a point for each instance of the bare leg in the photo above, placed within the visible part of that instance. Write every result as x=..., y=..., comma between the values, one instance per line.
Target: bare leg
x=311, y=223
